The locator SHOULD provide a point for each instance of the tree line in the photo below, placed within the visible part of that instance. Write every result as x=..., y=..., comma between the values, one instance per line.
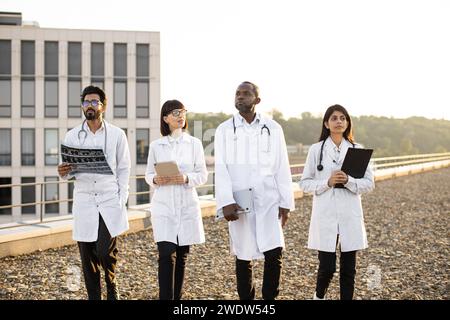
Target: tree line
x=387, y=136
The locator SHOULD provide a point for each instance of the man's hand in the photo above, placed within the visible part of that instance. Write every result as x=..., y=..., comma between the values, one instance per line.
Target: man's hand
x=337, y=177
x=230, y=212
x=283, y=214
x=169, y=180
x=64, y=169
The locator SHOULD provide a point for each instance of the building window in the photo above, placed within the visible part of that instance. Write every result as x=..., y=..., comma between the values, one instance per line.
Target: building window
x=142, y=186
x=74, y=59
x=142, y=144
x=5, y=78
x=70, y=187
x=120, y=60
x=5, y=98
x=51, y=146
x=27, y=147
x=51, y=194
x=142, y=60
x=27, y=98
x=142, y=105
x=97, y=59
x=5, y=147
x=120, y=99
x=29, y=195
x=5, y=196
x=51, y=58
x=97, y=83
x=51, y=98
x=74, y=91
x=27, y=58
x=74, y=80
x=5, y=61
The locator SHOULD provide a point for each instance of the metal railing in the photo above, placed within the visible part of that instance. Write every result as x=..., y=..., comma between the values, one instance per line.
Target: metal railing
x=296, y=170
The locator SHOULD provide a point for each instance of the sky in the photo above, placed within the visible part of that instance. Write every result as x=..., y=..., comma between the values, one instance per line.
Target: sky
x=384, y=57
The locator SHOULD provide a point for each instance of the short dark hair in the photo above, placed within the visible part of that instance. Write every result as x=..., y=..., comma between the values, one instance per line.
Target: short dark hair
x=95, y=90
x=348, y=133
x=254, y=86
x=167, y=108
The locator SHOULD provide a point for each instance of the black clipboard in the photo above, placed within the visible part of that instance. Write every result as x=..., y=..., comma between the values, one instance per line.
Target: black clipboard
x=355, y=163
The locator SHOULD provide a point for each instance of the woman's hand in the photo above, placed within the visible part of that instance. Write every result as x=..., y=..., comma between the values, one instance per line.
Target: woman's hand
x=170, y=180
x=337, y=177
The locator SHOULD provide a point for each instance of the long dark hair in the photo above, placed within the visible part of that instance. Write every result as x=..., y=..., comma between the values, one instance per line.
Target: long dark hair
x=348, y=133
x=167, y=108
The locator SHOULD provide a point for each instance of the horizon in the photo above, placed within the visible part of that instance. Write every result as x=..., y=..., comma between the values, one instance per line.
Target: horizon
x=320, y=115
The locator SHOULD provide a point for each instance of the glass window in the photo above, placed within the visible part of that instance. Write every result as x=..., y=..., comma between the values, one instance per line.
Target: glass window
x=27, y=98
x=28, y=195
x=51, y=194
x=70, y=187
x=74, y=59
x=27, y=147
x=142, y=60
x=142, y=144
x=27, y=58
x=51, y=146
x=5, y=147
x=5, y=196
x=120, y=60
x=5, y=98
x=51, y=58
x=98, y=83
x=142, y=110
x=74, y=91
x=5, y=54
x=97, y=59
x=142, y=186
x=51, y=98
x=120, y=99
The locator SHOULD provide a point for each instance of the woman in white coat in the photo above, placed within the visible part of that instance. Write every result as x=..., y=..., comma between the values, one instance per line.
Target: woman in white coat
x=175, y=209
x=337, y=216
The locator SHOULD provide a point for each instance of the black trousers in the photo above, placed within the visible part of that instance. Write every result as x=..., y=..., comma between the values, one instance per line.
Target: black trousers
x=271, y=276
x=171, y=267
x=347, y=272
x=102, y=252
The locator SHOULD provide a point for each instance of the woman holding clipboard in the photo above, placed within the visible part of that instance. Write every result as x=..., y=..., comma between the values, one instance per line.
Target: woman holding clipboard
x=337, y=217
x=175, y=209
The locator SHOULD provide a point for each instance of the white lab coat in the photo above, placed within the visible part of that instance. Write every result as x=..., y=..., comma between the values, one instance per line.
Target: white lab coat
x=97, y=193
x=175, y=209
x=253, y=158
x=335, y=211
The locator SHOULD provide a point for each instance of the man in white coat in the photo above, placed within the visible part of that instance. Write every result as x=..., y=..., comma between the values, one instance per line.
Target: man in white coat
x=99, y=200
x=250, y=153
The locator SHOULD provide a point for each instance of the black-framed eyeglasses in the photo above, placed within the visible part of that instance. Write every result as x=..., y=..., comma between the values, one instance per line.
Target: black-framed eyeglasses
x=178, y=112
x=95, y=103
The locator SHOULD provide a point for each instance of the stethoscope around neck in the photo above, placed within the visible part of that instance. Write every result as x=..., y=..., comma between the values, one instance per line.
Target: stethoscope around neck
x=83, y=132
x=320, y=166
x=262, y=130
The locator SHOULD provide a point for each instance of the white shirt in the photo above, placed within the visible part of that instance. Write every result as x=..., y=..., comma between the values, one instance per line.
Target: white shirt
x=175, y=209
x=335, y=211
x=96, y=194
x=253, y=157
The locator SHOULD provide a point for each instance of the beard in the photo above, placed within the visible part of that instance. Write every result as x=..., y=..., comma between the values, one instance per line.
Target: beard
x=91, y=114
x=244, y=108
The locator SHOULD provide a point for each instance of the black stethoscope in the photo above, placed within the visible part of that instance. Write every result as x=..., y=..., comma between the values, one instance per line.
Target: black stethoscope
x=320, y=166
x=262, y=130
x=83, y=132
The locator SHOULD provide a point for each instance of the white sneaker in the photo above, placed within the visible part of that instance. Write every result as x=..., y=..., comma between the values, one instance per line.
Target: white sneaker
x=317, y=298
